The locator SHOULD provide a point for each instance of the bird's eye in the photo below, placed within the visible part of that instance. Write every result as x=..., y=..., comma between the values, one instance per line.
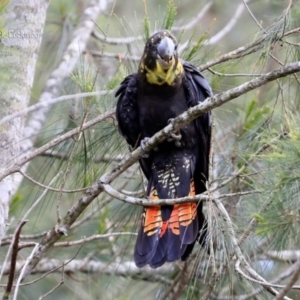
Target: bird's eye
x=176, y=46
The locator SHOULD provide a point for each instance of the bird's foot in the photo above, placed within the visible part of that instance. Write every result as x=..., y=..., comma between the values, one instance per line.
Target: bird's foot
x=175, y=136
x=143, y=146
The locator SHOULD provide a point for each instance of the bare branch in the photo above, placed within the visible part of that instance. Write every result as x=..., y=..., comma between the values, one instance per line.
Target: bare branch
x=178, y=122
x=94, y=266
x=25, y=216
x=14, y=254
x=54, y=288
x=238, y=251
x=26, y=236
x=50, y=102
x=237, y=53
x=293, y=31
x=24, y=266
x=226, y=29
x=286, y=255
x=22, y=24
x=280, y=277
x=146, y=202
x=232, y=75
x=290, y=284
x=68, y=62
x=92, y=238
x=53, y=270
x=195, y=21
x=117, y=56
x=262, y=282
x=246, y=164
x=116, y=41
x=51, y=188
x=252, y=15
x=29, y=156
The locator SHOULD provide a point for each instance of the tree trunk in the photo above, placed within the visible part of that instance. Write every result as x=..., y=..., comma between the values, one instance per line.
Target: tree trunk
x=21, y=28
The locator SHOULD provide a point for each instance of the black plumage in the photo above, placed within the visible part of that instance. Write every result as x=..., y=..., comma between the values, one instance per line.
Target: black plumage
x=164, y=87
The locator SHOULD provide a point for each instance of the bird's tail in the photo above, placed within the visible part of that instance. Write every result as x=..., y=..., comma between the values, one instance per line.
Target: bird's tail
x=167, y=233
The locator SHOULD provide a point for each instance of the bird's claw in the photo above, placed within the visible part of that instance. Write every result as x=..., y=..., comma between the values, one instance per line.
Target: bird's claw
x=171, y=120
x=177, y=144
x=174, y=136
x=143, y=146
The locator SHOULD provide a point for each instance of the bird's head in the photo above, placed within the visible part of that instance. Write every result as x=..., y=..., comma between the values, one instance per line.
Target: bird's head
x=160, y=63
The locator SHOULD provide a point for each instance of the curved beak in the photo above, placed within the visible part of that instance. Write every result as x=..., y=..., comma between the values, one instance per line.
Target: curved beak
x=166, y=50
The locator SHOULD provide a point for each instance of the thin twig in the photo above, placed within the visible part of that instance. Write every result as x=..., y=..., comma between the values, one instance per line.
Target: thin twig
x=195, y=21
x=146, y=202
x=117, y=56
x=252, y=15
x=116, y=41
x=26, y=216
x=26, y=236
x=54, y=288
x=92, y=238
x=67, y=64
x=233, y=75
x=228, y=27
x=290, y=284
x=29, y=258
x=50, y=102
x=53, y=270
x=282, y=276
x=49, y=187
x=246, y=164
x=261, y=282
x=293, y=31
x=29, y=156
x=237, y=248
x=237, y=53
x=14, y=255
x=175, y=281
x=217, y=100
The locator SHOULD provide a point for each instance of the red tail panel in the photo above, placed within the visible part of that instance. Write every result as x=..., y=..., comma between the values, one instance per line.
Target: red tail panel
x=166, y=240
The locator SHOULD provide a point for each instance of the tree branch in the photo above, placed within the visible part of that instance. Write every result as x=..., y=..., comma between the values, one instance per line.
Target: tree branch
x=69, y=60
x=15, y=250
x=93, y=266
x=45, y=105
x=178, y=122
x=290, y=284
x=29, y=156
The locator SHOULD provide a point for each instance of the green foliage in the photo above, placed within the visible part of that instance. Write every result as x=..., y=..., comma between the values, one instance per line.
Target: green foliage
x=146, y=23
x=281, y=182
x=3, y=5
x=170, y=15
x=15, y=202
x=117, y=78
x=242, y=127
x=194, y=48
x=102, y=222
x=255, y=115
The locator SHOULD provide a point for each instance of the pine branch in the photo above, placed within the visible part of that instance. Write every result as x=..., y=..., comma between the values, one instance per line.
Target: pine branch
x=186, y=117
x=69, y=60
x=20, y=39
x=23, y=159
x=49, y=103
x=92, y=266
x=15, y=250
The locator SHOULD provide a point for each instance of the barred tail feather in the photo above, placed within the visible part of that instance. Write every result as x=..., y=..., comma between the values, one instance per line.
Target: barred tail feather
x=166, y=232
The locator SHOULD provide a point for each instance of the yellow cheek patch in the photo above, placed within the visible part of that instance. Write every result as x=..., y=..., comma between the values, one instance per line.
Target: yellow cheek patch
x=159, y=76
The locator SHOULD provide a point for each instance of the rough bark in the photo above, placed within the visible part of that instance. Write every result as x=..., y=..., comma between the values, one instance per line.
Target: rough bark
x=22, y=24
